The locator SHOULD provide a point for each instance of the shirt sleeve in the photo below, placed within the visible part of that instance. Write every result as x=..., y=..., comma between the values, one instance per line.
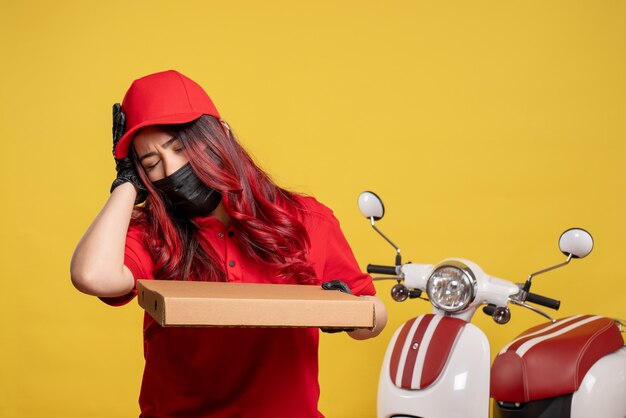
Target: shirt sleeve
x=137, y=260
x=341, y=263
x=332, y=253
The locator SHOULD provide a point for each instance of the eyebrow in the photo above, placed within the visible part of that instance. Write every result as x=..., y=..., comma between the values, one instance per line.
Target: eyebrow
x=152, y=153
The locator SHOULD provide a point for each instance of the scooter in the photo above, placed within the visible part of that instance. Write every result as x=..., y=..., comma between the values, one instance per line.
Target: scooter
x=438, y=364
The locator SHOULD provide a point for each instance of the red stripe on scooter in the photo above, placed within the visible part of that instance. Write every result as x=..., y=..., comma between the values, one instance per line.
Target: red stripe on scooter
x=439, y=349
x=409, y=365
x=397, y=349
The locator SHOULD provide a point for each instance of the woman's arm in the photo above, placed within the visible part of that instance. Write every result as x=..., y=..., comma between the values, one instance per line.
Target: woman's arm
x=380, y=315
x=97, y=266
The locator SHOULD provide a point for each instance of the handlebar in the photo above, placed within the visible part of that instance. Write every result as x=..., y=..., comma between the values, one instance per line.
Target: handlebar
x=543, y=301
x=377, y=269
x=489, y=310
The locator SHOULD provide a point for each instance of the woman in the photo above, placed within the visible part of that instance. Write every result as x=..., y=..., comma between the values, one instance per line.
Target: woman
x=210, y=214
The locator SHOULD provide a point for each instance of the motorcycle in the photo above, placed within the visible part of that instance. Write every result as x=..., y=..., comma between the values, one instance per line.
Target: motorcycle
x=438, y=364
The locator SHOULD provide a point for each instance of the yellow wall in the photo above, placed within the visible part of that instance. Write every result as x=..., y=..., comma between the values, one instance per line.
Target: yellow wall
x=487, y=126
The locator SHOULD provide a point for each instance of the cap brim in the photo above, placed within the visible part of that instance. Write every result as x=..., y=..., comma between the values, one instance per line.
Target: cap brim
x=122, y=147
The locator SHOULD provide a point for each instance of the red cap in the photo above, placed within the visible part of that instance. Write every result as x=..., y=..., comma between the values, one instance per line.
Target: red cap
x=162, y=98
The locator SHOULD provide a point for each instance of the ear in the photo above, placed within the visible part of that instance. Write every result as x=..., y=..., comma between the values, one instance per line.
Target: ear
x=225, y=127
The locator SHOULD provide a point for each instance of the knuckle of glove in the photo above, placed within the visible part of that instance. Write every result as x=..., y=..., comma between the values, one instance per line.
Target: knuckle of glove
x=337, y=285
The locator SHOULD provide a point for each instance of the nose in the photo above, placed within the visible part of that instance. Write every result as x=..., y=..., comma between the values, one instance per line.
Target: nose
x=172, y=163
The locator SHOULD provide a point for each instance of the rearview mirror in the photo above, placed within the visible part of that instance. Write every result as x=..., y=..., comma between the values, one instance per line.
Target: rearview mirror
x=371, y=206
x=577, y=242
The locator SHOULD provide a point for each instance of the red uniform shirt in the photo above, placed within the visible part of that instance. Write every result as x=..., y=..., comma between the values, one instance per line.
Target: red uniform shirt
x=240, y=372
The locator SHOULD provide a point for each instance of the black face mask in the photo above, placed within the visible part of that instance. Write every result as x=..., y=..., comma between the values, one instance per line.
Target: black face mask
x=187, y=193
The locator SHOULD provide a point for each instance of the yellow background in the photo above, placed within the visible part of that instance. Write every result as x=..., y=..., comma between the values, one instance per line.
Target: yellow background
x=488, y=127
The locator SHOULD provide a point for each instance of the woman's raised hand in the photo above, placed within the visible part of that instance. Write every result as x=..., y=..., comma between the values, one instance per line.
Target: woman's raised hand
x=124, y=166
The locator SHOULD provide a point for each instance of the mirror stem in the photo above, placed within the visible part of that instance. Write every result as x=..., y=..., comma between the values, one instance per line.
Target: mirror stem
x=528, y=281
x=398, y=256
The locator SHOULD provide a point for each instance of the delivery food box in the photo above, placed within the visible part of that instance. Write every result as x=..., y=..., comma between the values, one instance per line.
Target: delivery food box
x=186, y=303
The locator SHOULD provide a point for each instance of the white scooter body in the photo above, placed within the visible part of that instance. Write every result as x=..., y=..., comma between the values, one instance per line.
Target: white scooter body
x=602, y=392
x=462, y=389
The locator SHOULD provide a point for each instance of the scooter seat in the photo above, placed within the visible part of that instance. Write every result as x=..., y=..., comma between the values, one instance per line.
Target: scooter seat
x=552, y=359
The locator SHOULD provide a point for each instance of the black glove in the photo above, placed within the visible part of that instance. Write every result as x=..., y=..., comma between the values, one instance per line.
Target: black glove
x=125, y=169
x=342, y=287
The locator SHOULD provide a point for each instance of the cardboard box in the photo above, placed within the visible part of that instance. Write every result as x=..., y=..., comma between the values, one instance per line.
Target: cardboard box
x=182, y=303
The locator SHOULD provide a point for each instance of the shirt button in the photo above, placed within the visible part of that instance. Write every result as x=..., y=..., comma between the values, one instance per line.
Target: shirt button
x=231, y=263
x=221, y=235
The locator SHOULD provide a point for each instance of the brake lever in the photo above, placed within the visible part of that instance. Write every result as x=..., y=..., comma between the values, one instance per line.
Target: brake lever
x=532, y=308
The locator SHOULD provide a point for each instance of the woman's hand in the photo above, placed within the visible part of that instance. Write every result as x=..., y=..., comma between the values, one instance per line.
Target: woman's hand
x=125, y=168
x=380, y=313
x=380, y=320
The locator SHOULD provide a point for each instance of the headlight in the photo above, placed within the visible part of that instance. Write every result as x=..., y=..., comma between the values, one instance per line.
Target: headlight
x=452, y=286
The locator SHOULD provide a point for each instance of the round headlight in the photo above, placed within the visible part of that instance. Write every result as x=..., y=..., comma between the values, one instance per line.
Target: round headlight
x=451, y=287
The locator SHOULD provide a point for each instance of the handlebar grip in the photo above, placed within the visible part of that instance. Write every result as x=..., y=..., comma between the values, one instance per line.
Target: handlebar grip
x=373, y=268
x=543, y=301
